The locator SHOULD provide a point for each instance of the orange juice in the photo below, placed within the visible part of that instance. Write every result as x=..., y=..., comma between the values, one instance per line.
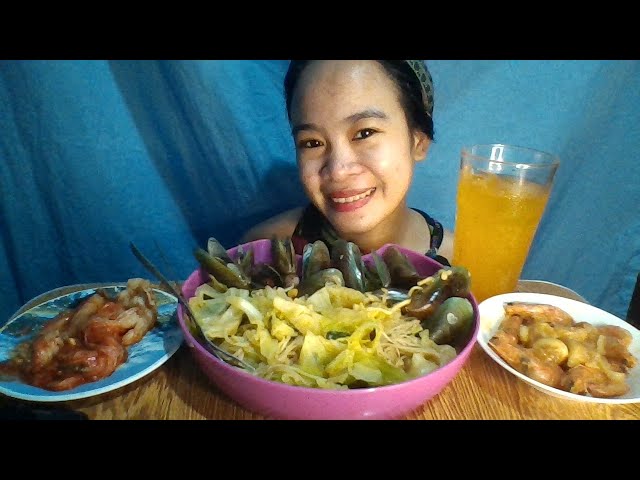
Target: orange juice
x=496, y=220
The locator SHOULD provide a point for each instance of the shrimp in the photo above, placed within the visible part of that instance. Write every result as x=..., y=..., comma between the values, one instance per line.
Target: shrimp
x=543, y=371
x=66, y=325
x=89, y=342
x=130, y=317
x=525, y=360
x=613, y=348
x=544, y=343
x=49, y=341
x=506, y=345
x=75, y=366
x=535, y=312
x=512, y=325
x=142, y=310
x=580, y=332
x=588, y=380
x=619, y=333
x=83, y=313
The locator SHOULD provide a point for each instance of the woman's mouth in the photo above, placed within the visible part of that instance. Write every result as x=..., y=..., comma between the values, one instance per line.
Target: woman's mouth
x=349, y=200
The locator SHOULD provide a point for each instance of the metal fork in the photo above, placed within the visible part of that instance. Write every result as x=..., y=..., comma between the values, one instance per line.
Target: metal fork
x=208, y=344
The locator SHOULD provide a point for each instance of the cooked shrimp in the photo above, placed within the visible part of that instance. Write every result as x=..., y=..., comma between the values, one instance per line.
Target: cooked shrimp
x=103, y=360
x=583, y=380
x=142, y=323
x=142, y=310
x=544, y=343
x=614, y=349
x=506, y=345
x=89, y=342
x=580, y=332
x=580, y=377
x=50, y=340
x=84, y=312
x=75, y=366
x=100, y=330
x=536, y=312
x=608, y=390
x=525, y=360
x=616, y=332
x=541, y=370
x=512, y=325
x=131, y=317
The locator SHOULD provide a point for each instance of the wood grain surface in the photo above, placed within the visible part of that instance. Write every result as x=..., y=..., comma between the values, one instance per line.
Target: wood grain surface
x=482, y=390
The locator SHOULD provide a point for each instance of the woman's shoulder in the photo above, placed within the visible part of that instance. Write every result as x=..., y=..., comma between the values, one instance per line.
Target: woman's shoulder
x=446, y=248
x=281, y=226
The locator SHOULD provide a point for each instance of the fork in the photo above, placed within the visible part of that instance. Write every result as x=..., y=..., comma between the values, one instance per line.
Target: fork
x=208, y=344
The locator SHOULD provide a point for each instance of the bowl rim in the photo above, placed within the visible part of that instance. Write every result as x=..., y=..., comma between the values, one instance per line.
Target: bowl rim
x=460, y=357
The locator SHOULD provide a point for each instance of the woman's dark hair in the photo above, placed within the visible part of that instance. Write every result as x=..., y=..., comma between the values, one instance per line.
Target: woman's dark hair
x=402, y=75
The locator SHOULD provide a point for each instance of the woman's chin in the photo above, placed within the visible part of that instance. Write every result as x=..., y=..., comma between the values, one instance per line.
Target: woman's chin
x=352, y=219
x=350, y=228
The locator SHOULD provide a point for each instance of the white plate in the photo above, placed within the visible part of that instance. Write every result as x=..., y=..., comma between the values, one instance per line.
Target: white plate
x=492, y=312
x=549, y=288
x=155, y=348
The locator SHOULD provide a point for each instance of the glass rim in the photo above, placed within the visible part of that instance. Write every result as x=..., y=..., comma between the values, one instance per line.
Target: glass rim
x=553, y=160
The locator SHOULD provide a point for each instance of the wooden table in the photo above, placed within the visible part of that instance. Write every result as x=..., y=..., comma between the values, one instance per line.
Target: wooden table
x=482, y=390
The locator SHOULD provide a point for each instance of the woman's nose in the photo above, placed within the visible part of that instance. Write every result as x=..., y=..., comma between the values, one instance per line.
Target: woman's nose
x=340, y=162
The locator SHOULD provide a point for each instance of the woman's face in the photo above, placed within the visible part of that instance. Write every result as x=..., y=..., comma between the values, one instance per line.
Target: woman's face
x=355, y=151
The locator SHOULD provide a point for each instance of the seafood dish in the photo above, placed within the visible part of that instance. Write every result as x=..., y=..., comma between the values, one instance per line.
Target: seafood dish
x=85, y=343
x=564, y=347
x=332, y=318
x=545, y=343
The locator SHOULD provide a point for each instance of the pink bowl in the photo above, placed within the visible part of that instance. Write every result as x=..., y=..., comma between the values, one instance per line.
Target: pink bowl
x=282, y=401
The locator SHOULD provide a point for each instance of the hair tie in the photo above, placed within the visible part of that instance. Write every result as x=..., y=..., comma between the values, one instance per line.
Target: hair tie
x=426, y=82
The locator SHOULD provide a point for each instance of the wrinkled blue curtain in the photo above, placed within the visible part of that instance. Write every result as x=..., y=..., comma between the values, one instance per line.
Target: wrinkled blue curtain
x=95, y=154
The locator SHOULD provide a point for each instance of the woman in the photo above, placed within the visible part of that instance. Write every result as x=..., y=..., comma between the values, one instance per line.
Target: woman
x=360, y=127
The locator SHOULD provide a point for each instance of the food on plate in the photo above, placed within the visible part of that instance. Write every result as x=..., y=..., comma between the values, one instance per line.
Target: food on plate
x=341, y=323
x=86, y=343
x=546, y=344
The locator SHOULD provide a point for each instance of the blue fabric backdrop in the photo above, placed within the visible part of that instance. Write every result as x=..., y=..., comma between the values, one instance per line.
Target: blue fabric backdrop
x=95, y=154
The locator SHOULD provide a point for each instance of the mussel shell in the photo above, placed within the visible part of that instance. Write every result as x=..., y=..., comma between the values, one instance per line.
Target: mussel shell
x=311, y=284
x=244, y=260
x=376, y=273
x=213, y=281
x=315, y=257
x=451, y=323
x=264, y=275
x=283, y=256
x=346, y=257
x=459, y=281
x=446, y=282
x=216, y=249
x=229, y=277
x=401, y=271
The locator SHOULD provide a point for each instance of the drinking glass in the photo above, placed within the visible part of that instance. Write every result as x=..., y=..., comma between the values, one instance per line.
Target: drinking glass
x=502, y=194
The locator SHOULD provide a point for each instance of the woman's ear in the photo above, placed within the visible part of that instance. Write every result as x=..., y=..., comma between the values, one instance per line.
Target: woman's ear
x=421, y=144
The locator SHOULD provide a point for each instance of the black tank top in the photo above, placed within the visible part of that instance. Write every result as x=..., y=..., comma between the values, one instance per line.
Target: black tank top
x=313, y=226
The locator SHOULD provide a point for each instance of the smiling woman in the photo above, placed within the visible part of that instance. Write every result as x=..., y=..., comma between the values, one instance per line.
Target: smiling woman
x=359, y=127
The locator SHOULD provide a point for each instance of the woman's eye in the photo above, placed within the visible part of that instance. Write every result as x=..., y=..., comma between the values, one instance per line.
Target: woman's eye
x=364, y=133
x=309, y=144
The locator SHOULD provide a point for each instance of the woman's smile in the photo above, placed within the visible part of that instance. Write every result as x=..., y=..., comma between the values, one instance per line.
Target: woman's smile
x=350, y=200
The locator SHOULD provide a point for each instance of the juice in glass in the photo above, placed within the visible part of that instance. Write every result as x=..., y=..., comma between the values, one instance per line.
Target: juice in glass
x=499, y=207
